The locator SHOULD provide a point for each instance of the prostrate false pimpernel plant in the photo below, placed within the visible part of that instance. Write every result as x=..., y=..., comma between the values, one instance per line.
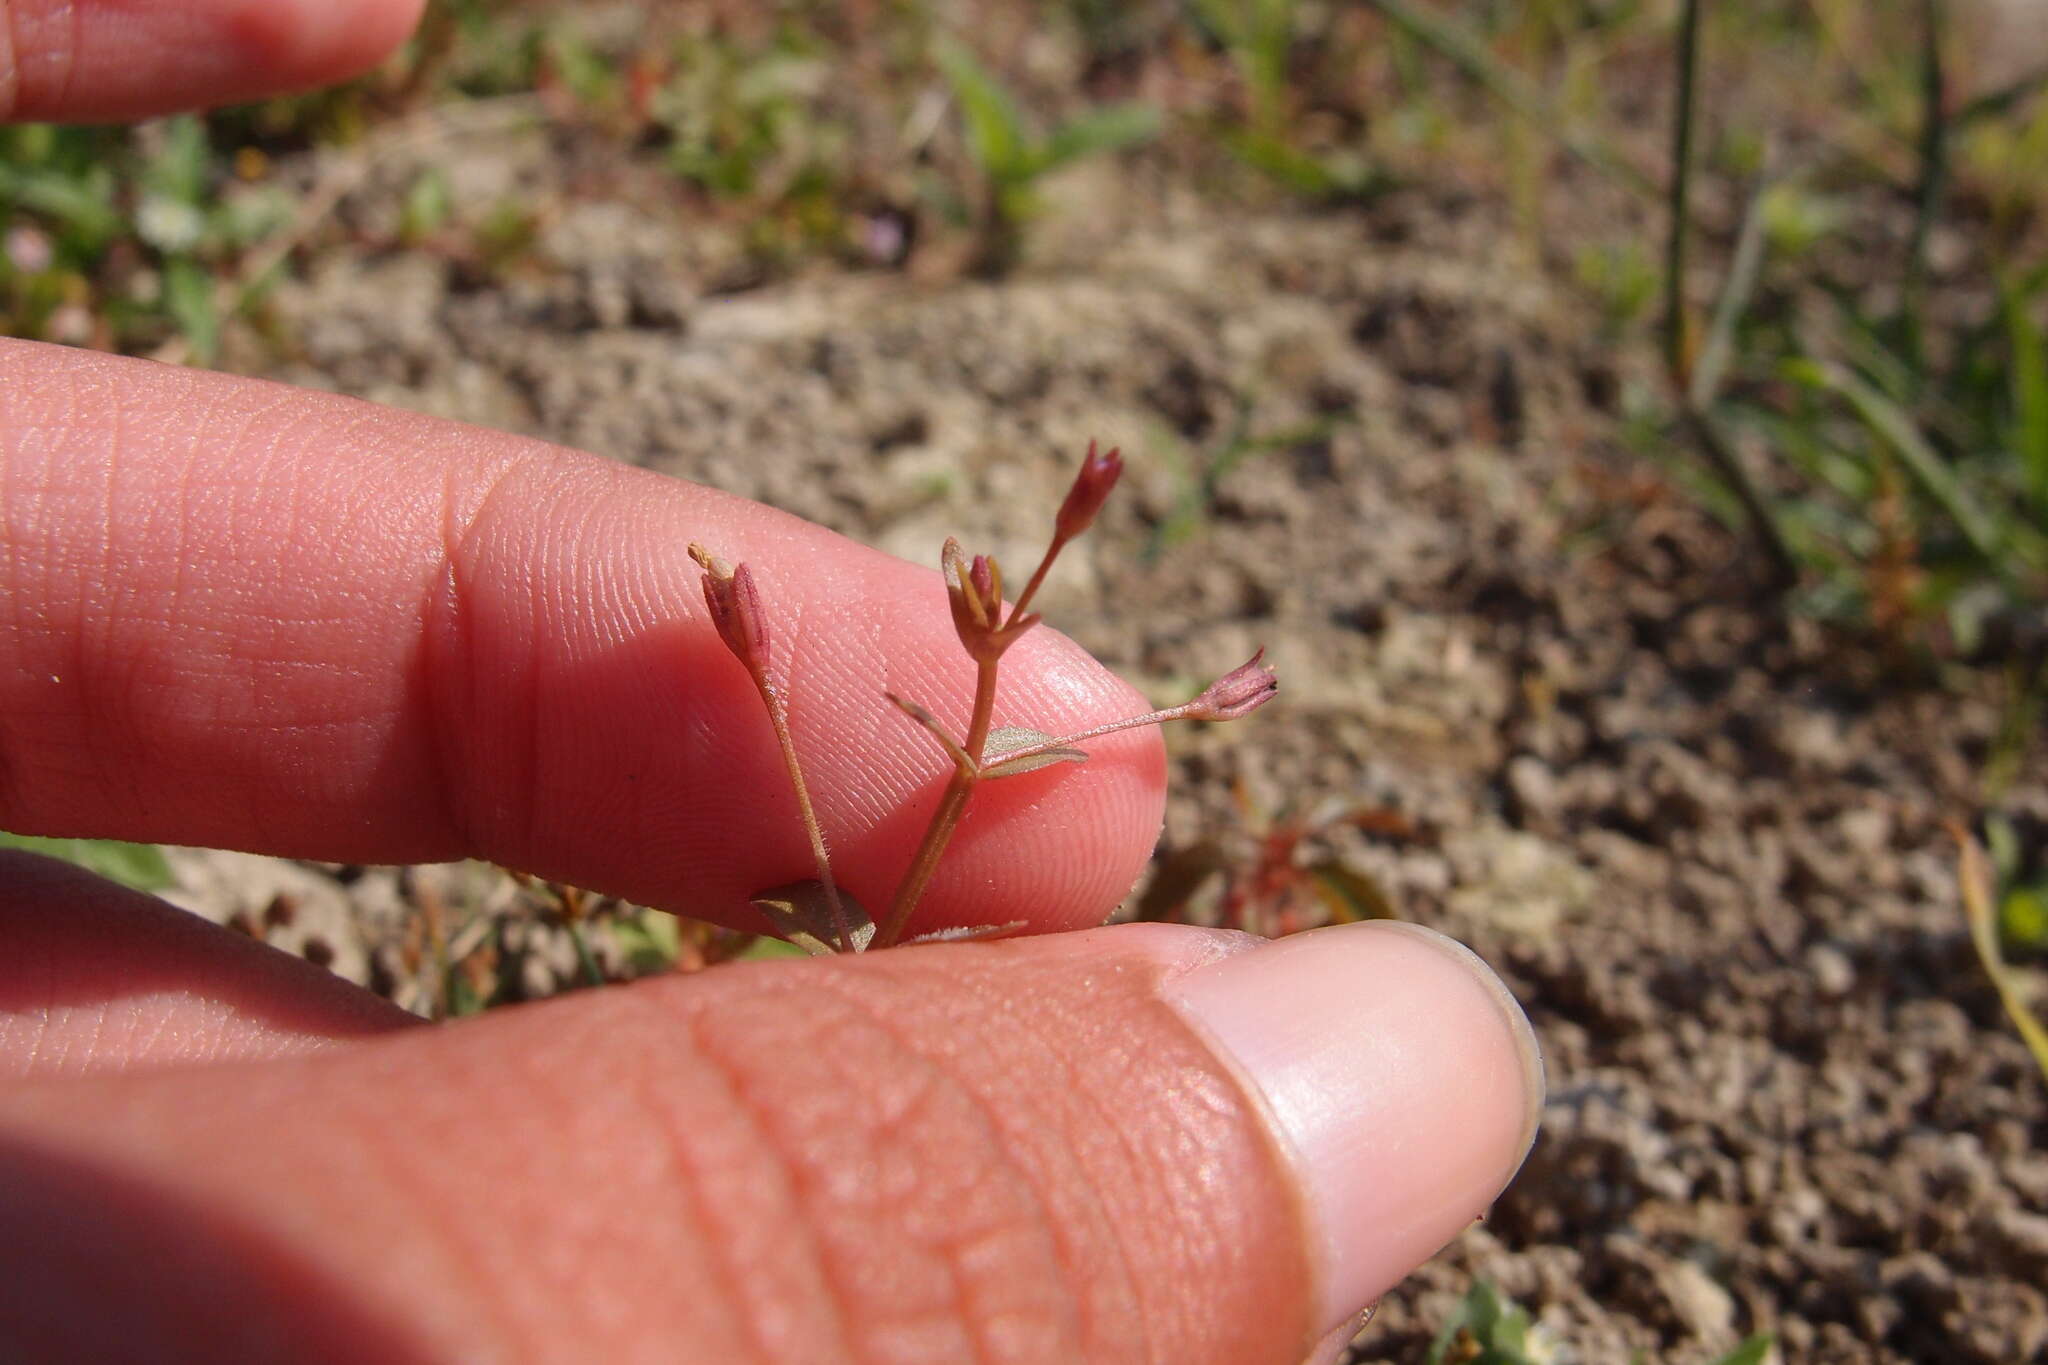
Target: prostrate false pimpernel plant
x=817, y=915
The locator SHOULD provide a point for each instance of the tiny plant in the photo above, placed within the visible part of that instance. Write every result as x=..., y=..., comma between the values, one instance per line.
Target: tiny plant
x=818, y=915
x=1276, y=874
x=1014, y=158
x=1489, y=1328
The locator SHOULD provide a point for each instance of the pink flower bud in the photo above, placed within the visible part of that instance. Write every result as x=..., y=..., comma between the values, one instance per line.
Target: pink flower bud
x=735, y=605
x=974, y=589
x=1239, y=692
x=1097, y=476
x=969, y=619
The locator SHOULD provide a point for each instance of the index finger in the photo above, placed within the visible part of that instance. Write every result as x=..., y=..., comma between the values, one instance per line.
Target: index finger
x=241, y=615
x=96, y=60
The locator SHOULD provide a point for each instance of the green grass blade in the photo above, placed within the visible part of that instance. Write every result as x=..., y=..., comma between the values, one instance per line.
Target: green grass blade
x=1923, y=462
x=188, y=297
x=2029, y=370
x=83, y=204
x=1736, y=291
x=141, y=866
x=1973, y=871
x=1107, y=129
x=995, y=125
x=1751, y=1351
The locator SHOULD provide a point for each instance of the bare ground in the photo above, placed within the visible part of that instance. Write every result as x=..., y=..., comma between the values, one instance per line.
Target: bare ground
x=1703, y=844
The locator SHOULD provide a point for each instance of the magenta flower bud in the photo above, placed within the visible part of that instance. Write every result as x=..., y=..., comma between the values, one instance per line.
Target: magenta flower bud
x=988, y=584
x=1239, y=692
x=1097, y=476
x=974, y=589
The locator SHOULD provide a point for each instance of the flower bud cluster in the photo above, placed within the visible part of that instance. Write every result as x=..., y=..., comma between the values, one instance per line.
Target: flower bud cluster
x=974, y=590
x=1239, y=692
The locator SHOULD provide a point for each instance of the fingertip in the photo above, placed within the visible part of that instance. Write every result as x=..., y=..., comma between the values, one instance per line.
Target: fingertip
x=487, y=646
x=92, y=60
x=1399, y=1077
x=313, y=42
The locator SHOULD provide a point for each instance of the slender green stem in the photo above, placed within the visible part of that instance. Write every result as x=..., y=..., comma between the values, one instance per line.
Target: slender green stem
x=1993, y=103
x=593, y=975
x=1721, y=454
x=1934, y=140
x=1678, y=351
x=952, y=805
x=1704, y=385
x=1678, y=199
x=778, y=716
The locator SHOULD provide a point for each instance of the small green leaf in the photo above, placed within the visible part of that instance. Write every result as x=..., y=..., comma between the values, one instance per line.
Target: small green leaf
x=2029, y=433
x=1974, y=874
x=995, y=126
x=141, y=866
x=1106, y=129
x=769, y=950
x=2023, y=917
x=427, y=206
x=1750, y=1352
x=188, y=298
x=1006, y=739
x=1485, y=1328
x=802, y=913
x=650, y=939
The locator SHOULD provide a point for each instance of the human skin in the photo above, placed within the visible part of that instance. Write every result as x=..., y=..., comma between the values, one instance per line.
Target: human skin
x=237, y=614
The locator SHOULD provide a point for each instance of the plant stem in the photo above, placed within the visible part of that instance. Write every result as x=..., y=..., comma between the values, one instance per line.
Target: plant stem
x=1704, y=384
x=778, y=716
x=1678, y=200
x=1068, y=741
x=1933, y=183
x=1721, y=454
x=952, y=805
x=1693, y=400
x=593, y=975
x=1052, y=552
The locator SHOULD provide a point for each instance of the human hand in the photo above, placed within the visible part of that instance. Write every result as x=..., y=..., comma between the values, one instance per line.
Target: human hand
x=239, y=615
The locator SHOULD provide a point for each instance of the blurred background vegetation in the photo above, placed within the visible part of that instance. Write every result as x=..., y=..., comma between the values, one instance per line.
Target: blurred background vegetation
x=1812, y=236
x=1812, y=230
x=1842, y=353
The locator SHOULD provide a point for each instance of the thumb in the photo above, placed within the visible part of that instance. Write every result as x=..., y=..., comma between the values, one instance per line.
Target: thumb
x=1147, y=1143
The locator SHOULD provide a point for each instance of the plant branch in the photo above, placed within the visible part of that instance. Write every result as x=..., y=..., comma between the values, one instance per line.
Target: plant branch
x=934, y=729
x=1069, y=741
x=1933, y=182
x=1708, y=370
x=778, y=716
x=1678, y=200
x=1721, y=454
x=952, y=805
x=1052, y=552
